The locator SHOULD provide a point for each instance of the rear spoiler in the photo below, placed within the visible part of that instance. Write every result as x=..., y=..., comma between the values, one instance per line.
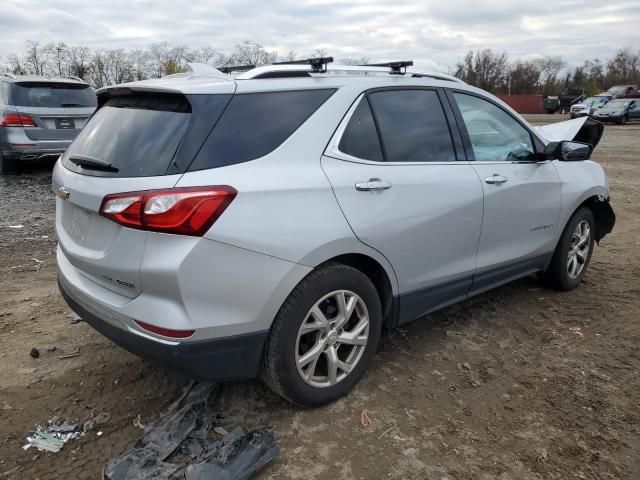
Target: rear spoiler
x=582, y=129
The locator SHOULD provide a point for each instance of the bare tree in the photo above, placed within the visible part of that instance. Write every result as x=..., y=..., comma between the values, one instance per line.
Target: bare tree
x=36, y=59
x=484, y=69
x=16, y=65
x=550, y=68
x=79, y=61
x=252, y=53
x=523, y=78
x=354, y=60
x=624, y=67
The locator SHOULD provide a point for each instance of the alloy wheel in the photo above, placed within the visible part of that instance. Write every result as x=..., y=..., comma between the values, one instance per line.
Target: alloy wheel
x=579, y=249
x=332, y=338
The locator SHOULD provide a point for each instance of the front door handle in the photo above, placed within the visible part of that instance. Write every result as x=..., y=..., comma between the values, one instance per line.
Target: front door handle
x=374, y=184
x=496, y=179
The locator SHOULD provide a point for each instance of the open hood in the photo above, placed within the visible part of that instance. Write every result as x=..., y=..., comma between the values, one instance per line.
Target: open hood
x=582, y=129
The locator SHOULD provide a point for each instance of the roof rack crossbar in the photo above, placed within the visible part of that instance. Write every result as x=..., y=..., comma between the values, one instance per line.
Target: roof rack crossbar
x=236, y=68
x=318, y=64
x=396, y=67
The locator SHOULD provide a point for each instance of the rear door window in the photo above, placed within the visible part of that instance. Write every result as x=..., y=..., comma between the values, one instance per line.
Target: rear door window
x=360, y=138
x=53, y=95
x=137, y=135
x=255, y=124
x=413, y=126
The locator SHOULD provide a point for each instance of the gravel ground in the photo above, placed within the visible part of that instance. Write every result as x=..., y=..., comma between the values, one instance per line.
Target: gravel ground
x=519, y=383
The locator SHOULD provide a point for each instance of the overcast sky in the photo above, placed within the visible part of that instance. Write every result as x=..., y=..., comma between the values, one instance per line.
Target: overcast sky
x=433, y=33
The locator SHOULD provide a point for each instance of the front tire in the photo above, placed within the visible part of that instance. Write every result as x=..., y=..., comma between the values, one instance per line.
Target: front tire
x=324, y=336
x=573, y=252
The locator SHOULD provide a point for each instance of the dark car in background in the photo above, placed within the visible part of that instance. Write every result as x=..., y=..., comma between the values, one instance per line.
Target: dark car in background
x=619, y=110
x=40, y=117
x=624, y=91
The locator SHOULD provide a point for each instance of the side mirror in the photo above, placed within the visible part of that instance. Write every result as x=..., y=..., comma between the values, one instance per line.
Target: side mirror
x=569, y=151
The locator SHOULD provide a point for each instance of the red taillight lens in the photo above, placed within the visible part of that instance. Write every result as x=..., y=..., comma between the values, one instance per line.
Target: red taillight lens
x=183, y=211
x=165, y=332
x=16, y=120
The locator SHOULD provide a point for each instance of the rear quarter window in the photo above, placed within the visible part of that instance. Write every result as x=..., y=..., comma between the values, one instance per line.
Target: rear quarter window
x=255, y=124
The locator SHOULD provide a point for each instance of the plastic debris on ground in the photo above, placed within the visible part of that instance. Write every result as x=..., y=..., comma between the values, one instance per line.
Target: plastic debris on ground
x=53, y=436
x=183, y=430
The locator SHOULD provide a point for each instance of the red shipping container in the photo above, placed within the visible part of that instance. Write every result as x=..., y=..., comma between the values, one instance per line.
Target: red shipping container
x=523, y=103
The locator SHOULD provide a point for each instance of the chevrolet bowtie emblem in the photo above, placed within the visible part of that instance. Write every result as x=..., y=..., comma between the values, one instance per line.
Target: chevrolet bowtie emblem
x=63, y=193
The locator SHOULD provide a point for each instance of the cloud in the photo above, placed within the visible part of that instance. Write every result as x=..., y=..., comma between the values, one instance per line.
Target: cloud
x=434, y=33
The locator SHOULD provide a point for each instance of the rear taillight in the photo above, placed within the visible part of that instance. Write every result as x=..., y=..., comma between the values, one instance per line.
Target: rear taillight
x=183, y=211
x=16, y=120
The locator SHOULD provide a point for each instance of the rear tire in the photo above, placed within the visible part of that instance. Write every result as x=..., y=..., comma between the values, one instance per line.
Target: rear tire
x=623, y=120
x=7, y=166
x=573, y=252
x=332, y=318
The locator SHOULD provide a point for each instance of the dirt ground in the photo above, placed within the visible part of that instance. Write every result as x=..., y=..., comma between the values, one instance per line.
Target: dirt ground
x=519, y=383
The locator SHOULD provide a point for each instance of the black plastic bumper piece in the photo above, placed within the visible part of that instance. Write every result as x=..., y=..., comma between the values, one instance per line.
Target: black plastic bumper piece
x=229, y=358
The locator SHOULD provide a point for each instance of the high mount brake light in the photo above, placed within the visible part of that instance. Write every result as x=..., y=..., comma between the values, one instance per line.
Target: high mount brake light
x=16, y=120
x=182, y=211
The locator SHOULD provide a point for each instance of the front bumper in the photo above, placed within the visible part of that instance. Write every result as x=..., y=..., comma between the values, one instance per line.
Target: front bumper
x=230, y=358
x=610, y=118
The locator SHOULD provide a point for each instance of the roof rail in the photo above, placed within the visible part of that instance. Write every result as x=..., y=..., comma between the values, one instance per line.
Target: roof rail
x=8, y=75
x=396, y=67
x=318, y=64
x=303, y=69
x=237, y=68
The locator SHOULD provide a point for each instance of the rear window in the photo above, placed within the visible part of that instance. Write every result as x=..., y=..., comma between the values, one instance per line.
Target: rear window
x=137, y=135
x=413, y=127
x=53, y=95
x=255, y=124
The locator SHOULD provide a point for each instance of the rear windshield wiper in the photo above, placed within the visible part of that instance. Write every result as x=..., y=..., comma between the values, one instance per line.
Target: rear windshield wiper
x=92, y=163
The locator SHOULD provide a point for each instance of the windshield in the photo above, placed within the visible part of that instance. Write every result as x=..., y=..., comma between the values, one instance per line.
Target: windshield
x=53, y=95
x=591, y=101
x=618, y=103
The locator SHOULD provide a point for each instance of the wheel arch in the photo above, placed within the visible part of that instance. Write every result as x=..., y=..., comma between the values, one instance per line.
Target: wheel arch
x=380, y=279
x=603, y=214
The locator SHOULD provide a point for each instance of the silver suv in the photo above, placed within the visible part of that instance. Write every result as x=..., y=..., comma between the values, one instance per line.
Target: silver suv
x=40, y=117
x=272, y=223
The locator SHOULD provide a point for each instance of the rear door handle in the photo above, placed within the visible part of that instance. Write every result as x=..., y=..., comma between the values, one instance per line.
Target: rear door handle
x=496, y=179
x=374, y=184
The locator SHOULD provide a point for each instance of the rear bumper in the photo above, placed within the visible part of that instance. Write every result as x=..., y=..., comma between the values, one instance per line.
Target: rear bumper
x=28, y=150
x=230, y=358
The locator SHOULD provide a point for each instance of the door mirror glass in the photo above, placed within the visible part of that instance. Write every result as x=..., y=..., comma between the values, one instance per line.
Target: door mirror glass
x=569, y=151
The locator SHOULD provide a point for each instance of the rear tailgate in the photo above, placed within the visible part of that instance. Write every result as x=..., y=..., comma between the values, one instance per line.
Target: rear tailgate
x=100, y=249
x=58, y=110
x=134, y=142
